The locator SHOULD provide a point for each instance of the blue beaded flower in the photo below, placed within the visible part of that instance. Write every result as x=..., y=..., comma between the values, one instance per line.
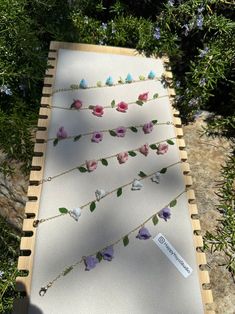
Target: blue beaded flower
x=90, y=262
x=107, y=253
x=143, y=234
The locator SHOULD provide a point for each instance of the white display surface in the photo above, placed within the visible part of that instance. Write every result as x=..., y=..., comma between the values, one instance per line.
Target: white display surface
x=140, y=279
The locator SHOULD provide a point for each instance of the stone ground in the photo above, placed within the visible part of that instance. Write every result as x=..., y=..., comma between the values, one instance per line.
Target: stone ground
x=205, y=156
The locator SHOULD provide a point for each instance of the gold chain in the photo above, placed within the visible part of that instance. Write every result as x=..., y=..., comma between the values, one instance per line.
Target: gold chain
x=50, y=178
x=44, y=289
x=40, y=221
x=95, y=86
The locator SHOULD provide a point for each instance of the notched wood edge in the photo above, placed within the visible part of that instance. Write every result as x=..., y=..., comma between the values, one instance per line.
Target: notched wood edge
x=27, y=244
x=203, y=275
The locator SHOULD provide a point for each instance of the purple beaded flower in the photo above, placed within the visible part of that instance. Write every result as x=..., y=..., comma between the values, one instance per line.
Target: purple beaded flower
x=62, y=133
x=143, y=234
x=90, y=262
x=97, y=137
x=120, y=131
x=148, y=127
x=165, y=213
x=107, y=253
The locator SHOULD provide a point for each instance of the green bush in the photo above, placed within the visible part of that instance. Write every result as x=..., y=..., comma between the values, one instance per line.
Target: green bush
x=9, y=248
x=197, y=35
x=222, y=239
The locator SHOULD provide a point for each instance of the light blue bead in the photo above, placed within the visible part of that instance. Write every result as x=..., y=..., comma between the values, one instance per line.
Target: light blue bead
x=151, y=75
x=109, y=81
x=129, y=78
x=83, y=84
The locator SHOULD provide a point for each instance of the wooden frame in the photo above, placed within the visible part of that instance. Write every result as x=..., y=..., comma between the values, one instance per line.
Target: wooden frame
x=25, y=262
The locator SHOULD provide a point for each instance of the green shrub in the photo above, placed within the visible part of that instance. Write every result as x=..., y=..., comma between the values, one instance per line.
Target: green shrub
x=223, y=238
x=197, y=35
x=9, y=248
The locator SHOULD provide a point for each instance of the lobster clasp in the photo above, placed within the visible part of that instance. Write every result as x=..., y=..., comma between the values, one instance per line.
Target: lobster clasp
x=42, y=291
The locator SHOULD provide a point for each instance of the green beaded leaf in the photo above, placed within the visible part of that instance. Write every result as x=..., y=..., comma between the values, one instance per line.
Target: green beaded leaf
x=92, y=206
x=99, y=83
x=142, y=78
x=74, y=86
x=104, y=162
x=63, y=210
x=67, y=270
x=173, y=203
x=153, y=146
x=56, y=141
x=155, y=96
x=155, y=220
x=126, y=240
x=154, y=121
x=163, y=170
x=112, y=133
x=139, y=102
x=133, y=129
x=82, y=169
x=170, y=142
x=99, y=256
x=119, y=192
x=142, y=174
x=91, y=107
x=121, y=81
x=113, y=103
x=131, y=153
x=76, y=138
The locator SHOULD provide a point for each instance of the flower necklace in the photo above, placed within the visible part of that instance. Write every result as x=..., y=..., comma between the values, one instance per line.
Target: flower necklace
x=98, y=110
x=100, y=194
x=90, y=165
x=107, y=252
x=83, y=84
x=97, y=136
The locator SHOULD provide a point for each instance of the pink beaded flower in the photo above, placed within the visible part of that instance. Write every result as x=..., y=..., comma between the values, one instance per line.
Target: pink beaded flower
x=162, y=149
x=143, y=97
x=144, y=149
x=91, y=165
x=122, y=157
x=77, y=104
x=122, y=106
x=98, y=111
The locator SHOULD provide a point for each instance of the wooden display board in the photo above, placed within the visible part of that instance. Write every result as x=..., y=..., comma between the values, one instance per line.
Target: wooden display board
x=140, y=278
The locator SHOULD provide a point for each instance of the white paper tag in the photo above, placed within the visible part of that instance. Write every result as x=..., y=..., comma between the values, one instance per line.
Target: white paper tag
x=173, y=255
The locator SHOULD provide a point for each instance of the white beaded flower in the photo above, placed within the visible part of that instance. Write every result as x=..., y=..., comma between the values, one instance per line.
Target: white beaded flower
x=136, y=185
x=75, y=213
x=99, y=193
x=156, y=177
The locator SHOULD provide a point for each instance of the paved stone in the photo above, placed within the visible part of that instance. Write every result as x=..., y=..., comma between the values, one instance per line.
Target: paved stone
x=205, y=156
